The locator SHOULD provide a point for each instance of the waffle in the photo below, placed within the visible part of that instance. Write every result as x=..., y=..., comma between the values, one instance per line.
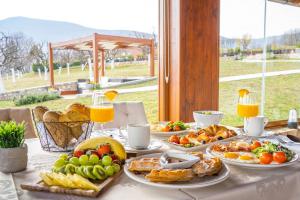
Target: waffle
x=207, y=167
x=144, y=165
x=169, y=175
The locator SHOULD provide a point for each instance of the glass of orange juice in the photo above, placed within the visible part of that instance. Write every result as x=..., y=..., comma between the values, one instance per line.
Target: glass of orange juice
x=247, y=106
x=102, y=110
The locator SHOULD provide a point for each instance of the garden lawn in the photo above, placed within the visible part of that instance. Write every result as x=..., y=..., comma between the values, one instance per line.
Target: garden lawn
x=227, y=68
x=282, y=92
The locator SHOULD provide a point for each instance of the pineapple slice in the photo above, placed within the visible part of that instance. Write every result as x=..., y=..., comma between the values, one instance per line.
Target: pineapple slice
x=83, y=183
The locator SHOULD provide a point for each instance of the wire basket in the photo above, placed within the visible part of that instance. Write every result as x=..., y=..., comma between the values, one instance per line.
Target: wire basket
x=62, y=136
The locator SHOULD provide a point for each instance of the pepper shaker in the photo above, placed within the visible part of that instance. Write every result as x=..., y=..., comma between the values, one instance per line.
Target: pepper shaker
x=293, y=119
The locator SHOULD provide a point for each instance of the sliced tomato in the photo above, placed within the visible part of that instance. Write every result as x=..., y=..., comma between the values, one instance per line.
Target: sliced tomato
x=266, y=158
x=255, y=144
x=167, y=129
x=279, y=157
x=184, y=140
x=176, y=128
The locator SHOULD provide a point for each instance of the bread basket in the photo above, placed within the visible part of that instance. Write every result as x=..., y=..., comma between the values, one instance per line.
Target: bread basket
x=62, y=136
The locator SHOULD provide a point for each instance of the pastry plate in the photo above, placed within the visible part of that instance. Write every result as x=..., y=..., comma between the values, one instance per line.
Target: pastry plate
x=195, y=183
x=153, y=146
x=252, y=166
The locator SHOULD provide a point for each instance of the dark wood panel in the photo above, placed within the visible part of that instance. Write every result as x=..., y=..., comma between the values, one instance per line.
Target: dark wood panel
x=192, y=58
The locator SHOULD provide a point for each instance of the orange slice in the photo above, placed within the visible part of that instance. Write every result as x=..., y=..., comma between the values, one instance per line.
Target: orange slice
x=111, y=94
x=243, y=92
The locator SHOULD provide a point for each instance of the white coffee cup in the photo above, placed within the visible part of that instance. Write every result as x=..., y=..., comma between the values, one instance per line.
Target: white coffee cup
x=255, y=125
x=138, y=135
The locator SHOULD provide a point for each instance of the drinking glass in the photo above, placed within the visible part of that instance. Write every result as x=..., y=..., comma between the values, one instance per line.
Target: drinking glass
x=102, y=110
x=247, y=107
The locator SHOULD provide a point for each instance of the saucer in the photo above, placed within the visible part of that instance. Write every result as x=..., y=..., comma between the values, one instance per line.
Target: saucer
x=153, y=146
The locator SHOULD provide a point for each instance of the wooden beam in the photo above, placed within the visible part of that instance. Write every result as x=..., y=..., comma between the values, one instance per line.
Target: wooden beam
x=73, y=42
x=121, y=39
x=189, y=57
x=50, y=64
x=102, y=63
x=95, y=59
x=152, y=53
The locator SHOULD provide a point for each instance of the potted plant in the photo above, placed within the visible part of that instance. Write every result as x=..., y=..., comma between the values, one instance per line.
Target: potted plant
x=13, y=150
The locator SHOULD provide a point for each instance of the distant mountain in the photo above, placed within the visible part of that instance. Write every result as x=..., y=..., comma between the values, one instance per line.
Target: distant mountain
x=55, y=31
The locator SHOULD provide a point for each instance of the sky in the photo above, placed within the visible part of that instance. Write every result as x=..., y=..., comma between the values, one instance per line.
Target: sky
x=238, y=17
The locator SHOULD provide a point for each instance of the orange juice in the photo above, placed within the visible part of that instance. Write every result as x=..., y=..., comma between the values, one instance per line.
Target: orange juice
x=102, y=114
x=247, y=110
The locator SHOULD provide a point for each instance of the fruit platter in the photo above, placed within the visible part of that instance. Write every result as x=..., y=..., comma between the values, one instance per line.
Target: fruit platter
x=92, y=167
x=169, y=128
x=255, y=153
x=200, y=139
x=149, y=170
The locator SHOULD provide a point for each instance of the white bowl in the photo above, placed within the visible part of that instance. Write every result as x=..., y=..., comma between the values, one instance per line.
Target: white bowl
x=203, y=119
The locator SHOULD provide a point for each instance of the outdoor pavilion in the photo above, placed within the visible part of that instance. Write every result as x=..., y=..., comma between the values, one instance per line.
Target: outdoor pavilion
x=99, y=42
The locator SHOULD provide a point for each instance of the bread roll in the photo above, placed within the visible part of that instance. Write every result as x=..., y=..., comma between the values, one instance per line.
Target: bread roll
x=74, y=121
x=76, y=130
x=84, y=110
x=74, y=116
x=38, y=112
x=60, y=132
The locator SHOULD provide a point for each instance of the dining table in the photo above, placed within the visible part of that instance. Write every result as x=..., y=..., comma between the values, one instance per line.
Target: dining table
x=259, y=184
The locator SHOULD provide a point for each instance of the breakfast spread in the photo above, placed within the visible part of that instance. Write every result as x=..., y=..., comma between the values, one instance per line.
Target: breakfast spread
x=154, y=172
x=203, y=136
x=253, y=152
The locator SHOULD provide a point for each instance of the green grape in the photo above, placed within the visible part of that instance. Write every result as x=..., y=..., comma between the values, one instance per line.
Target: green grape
x=74, y=161
x=116, y=167
x=63, y=156
x=109, y=170
x=106, y=160
x=59, y=163
x=83, y=160
x=94, y=159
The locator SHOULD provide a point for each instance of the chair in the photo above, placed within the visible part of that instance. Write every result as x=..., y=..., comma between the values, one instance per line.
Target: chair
x=126, y=113
x=19, y=115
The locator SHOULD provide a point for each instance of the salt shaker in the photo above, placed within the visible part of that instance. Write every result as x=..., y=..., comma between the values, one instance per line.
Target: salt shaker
x=293, y=119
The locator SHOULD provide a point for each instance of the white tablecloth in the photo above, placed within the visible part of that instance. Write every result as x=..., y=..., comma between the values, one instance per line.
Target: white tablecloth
x=281, y=184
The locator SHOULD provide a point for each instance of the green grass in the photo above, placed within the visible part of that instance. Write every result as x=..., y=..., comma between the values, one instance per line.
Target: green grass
x=32, y=79
x=282, y=92
x=233, y=68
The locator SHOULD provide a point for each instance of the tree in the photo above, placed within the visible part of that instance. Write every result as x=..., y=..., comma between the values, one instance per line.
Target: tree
x=14, y=52
x=292, y=37
x=38, y=53
x=245, y=41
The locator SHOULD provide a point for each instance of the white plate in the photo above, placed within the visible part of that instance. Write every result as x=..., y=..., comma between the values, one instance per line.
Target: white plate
x=153, y=146
x=168, y=134
x=195, y=148
x=195, y=183
x=252, y=166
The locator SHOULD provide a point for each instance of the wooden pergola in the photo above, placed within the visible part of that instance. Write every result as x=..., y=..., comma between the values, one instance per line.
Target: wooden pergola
x=99, y=42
